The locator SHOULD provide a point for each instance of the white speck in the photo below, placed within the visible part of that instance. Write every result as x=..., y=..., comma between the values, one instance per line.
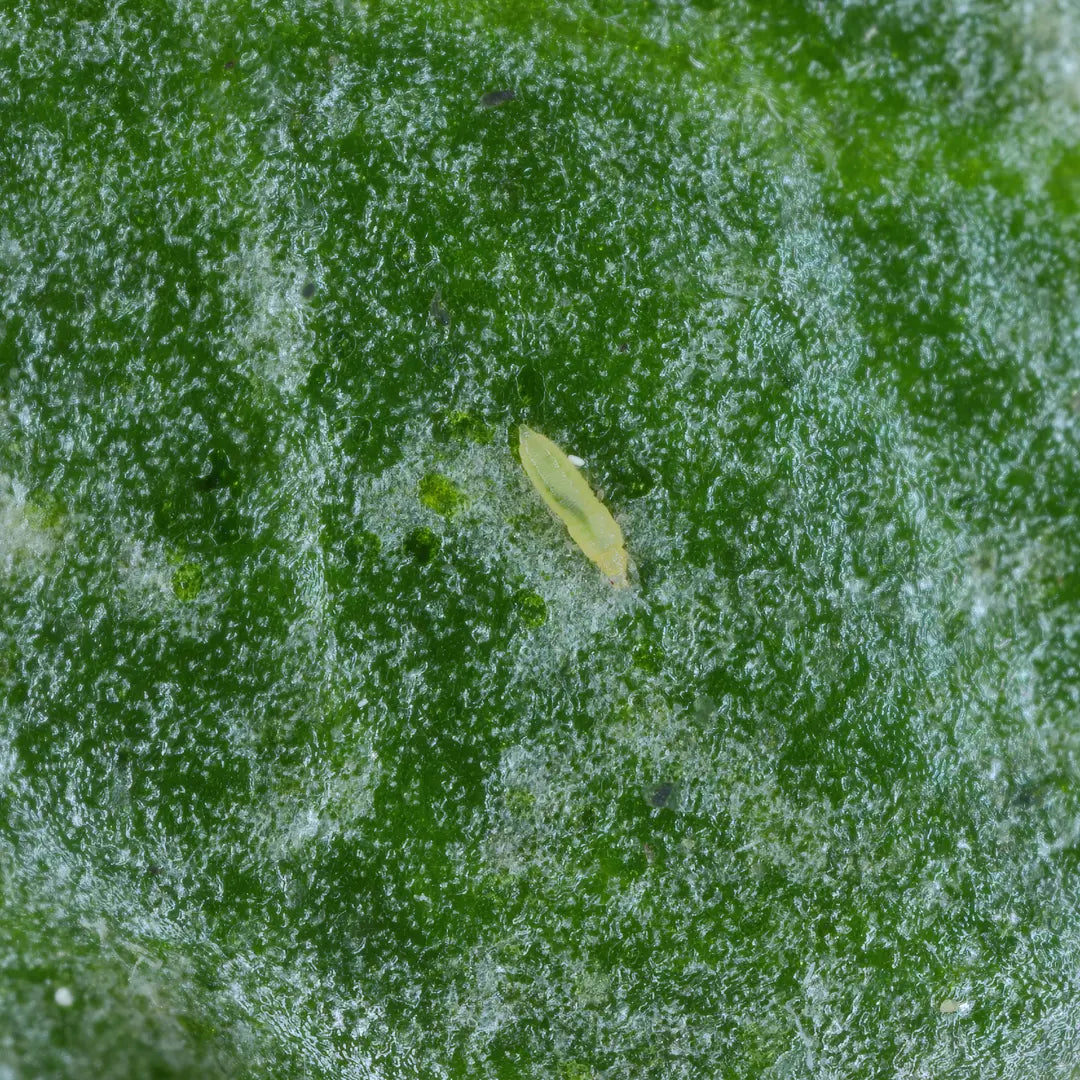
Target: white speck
x=949, y=1006
x=64, y=997
x=575, y=460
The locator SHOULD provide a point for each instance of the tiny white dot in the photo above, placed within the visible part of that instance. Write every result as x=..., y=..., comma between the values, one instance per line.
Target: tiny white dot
x=949, y=1006
x=64, y=997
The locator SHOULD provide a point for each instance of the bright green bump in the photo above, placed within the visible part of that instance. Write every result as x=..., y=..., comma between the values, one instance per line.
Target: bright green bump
x=513, y=440
x=647, y=657
x=531, y=608
x=200, y=1027
x=187, y=581
x=44, y=511
x=520, y=802
x=1064, y=183
x=466, y=425
x=759, y=1045
x=575, y=1070
x=511, y=952
x=593, y=988
x=422, y=545
x=441, y=494
x=362, y=546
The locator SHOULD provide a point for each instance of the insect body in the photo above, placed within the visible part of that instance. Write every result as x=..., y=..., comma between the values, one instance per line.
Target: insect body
x=570, y=498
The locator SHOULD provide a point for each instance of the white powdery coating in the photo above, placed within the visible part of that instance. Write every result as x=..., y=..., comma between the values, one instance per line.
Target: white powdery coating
x=26, y=540
x=847, y=467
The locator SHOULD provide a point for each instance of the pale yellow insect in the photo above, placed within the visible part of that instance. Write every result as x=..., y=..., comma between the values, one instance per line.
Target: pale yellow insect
x=569, y=497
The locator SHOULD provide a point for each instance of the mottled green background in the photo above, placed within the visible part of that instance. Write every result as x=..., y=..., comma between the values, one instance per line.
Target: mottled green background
x=324, y=754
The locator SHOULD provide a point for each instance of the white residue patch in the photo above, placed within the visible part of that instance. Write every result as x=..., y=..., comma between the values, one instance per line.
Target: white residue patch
x=28, y=533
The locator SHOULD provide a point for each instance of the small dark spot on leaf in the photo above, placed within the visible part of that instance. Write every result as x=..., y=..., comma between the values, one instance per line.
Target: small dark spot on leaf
x=1024, y=799
x=494, y=98
x=229, y=65
x=624, y=347
x=634, y=480
x=461, y=424
x=530, y=386
x=308, y=291
x=422, y=545
x=437, y=310
x=660, y=794
x=217, y=472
